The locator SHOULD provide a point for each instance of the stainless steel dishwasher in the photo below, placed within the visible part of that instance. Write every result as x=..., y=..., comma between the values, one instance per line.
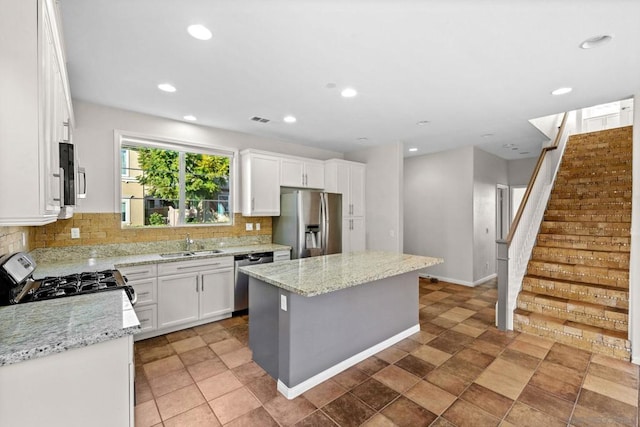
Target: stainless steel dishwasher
x=241, y=289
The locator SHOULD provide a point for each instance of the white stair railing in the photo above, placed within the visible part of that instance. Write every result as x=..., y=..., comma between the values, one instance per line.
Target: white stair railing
x=515, y=251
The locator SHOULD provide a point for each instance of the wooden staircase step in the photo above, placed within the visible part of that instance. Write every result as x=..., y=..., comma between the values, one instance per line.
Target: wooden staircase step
x=607, y=259
x=609, y=296
x=599, y=243
x=580, y=273
x=567, y=178
x=596, y=161
x=614, y=229
x=586, y=337
x=611, y=318
x=585, y=192
x=587, y=215
x=619, y=203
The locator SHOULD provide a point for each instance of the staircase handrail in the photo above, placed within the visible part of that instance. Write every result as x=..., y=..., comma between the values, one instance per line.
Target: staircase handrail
x=534, y=176
x=514, y=252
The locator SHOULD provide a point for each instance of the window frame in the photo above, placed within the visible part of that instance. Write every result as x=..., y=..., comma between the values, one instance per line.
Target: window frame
x=127, y=211
x=127, y=138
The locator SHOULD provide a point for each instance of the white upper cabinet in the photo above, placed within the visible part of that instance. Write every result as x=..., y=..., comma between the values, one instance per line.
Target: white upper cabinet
x=348, y=179
x=260, y=183
x=304, y=173
x=35, y=109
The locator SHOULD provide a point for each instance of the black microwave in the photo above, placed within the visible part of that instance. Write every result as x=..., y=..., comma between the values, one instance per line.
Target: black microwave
x=68, y=165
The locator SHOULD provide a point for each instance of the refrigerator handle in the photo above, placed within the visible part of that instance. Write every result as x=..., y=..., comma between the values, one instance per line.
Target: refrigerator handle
x=324, y=230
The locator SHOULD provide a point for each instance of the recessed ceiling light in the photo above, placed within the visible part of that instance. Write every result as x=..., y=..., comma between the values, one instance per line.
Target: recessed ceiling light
x=422, y=122
x=524, y=152
x=199, y=32
x=190, y=118
x=166, y=87
x=597, y=41
x=363, y=139
x=508, y=145
x=412, y=149
x=561, y=91
x=487, y=135
x=348, y=92
x=289, y=119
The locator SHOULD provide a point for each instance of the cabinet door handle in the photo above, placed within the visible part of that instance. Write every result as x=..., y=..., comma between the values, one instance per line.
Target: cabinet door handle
x=60, y=175
x=200, y=266
x=66, y=136
x=142, y=294
x=202, y=283
x=253, y=203
x=144, y=320
x=133, y=273
x=197, y=283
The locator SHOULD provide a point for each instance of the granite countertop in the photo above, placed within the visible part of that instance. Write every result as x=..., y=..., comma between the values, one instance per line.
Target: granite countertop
x=323, y=274
x=86, y=264
x=42, y=328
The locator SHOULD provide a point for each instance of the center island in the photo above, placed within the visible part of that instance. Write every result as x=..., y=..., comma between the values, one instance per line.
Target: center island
x=312, y=318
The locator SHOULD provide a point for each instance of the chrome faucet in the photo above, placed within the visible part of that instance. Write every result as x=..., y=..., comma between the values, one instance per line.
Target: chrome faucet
x=188, y=242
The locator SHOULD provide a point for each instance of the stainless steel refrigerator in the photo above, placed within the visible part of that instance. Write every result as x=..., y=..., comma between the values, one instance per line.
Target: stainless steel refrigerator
x=310, y=222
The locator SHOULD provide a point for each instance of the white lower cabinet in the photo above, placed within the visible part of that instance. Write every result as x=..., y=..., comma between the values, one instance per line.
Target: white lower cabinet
x=216, y=296
x=148, y=318
x=178, y=297
x=353, y=235
x=144, y=279
x=190, y=291
x=86, y=386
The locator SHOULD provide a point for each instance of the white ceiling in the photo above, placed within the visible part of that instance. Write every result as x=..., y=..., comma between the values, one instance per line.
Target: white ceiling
x=469, y=67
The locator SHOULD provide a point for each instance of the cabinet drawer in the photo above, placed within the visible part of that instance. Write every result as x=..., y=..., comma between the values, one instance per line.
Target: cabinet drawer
x=148, y=317
x=146, y=290
x=137, y=272
x=168, y=268
x=281, y=256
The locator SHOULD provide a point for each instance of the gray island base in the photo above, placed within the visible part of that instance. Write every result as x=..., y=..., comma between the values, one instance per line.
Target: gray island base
x=303, y=340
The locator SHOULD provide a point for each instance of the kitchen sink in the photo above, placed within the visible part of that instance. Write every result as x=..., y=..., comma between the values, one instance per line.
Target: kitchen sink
x=186, y=254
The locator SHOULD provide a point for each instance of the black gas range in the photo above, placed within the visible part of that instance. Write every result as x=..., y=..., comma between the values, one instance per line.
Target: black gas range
x=18, y=286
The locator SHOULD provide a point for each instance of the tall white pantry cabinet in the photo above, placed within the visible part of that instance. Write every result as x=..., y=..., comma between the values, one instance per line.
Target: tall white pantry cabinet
x=348, y=179
x=35, y=111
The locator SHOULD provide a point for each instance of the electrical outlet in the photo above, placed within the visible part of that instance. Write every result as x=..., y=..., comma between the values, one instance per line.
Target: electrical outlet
x=257, y=226
x=283, y=302
x=75, y=233
x=248, y=226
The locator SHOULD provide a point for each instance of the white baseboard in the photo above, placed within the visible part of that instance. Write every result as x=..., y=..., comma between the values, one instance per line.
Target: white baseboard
x=461, y=282
x=295, y=391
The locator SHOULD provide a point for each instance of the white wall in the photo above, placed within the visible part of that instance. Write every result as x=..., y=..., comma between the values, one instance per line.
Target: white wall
x=488, y=170
x=94, y=137
x=634, y=269
x=438, y=211
x=520, y=170
x=384, y=195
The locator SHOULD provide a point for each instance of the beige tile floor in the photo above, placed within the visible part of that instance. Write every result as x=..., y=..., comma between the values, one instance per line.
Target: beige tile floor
x=458, y=371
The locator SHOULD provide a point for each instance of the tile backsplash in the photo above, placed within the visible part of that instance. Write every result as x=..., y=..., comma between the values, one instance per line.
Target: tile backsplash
x=105, y=228
x=11, y=239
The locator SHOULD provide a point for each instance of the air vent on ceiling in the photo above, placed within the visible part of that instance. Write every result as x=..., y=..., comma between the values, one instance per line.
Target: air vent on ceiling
x=260, y=119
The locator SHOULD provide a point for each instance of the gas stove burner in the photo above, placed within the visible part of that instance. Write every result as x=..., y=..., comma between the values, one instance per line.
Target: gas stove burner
x=54, y=291
x=17, y=284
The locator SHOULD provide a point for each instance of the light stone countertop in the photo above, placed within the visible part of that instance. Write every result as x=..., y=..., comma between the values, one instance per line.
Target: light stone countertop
x=61, y=268
x=42, y=328
x=323, y=274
